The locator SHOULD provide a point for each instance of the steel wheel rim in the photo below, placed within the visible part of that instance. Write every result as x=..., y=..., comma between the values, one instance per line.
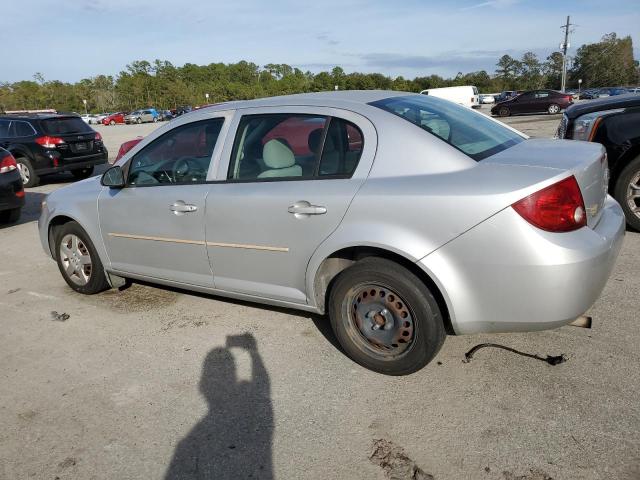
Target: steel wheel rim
x=554, y=109
x=633, y=194
x=25, y=175
x=383, y=322
x=75, y=259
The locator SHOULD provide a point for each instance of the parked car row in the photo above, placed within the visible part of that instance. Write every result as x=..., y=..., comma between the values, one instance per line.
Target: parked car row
x=289, y=221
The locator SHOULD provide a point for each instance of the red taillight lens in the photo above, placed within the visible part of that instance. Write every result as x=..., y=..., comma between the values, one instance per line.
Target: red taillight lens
x=49, y=142
x=8, y=164
x=557, y=208
x=98, y=137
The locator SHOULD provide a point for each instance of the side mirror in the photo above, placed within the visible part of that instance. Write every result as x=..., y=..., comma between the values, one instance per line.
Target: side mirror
x=113, y=178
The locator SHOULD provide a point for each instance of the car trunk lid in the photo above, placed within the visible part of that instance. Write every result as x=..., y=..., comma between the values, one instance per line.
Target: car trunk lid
x=587, y=162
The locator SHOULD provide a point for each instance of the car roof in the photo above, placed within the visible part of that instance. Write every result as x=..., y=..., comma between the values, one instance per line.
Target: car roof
x=608, y=103
x=338, y=99
x=36, y=116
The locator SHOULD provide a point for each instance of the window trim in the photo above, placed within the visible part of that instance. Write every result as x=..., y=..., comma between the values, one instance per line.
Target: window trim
x=316, y=170
x=221, y=137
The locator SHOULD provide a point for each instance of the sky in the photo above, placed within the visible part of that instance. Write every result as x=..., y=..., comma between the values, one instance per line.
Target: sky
x=69, y=40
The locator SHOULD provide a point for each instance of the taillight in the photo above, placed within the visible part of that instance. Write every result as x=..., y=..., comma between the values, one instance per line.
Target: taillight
x=8, y=164
x=557, y=208
x=49, y=142
x=98, y=137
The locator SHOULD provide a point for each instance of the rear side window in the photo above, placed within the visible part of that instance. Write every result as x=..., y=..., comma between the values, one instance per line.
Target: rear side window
x=4, y=128
x=65, y=125
x=473, y=134
x=342, y=148
x=23, y=129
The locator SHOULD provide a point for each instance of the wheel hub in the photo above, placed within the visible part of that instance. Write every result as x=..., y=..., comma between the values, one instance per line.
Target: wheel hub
x=382, y=318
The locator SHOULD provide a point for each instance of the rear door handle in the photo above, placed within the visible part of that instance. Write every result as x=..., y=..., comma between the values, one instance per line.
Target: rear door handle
x=304, y=208
x=180, y=208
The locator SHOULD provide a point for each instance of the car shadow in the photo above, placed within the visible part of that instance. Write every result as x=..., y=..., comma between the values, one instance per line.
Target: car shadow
x=234, y=439
x=30, y=211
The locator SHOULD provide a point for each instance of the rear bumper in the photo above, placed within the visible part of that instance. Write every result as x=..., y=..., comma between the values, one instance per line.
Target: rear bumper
x=75, y=163
x=506, y=276
x=10, y=184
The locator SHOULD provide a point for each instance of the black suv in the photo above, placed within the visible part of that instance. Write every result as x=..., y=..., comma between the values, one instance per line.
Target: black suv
x=51, y=143
x=615, y=123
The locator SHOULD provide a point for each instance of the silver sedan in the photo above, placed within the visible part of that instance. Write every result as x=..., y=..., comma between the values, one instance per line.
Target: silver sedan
x=403, y=217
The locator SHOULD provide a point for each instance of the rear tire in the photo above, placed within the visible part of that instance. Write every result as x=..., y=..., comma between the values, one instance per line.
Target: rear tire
x=112, y=122
x=10, y=216
x=504, y=112
x=553, y=109
x=82, y=173
x=385, y=317
x=73, y=249
x=627, y=193
x=29, y=176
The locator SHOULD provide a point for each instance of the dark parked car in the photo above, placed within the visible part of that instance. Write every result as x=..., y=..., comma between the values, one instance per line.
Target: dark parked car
x=165, y=115
x=534, y=101
x=11, y=191
x=181, y=110
x=615, y=123
x=51, y=143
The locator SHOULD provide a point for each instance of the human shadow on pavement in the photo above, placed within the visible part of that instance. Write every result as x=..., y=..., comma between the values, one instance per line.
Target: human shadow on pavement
x=234, y=439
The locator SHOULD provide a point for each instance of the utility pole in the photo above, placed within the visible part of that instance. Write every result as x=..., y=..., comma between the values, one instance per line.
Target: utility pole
x=565, y=46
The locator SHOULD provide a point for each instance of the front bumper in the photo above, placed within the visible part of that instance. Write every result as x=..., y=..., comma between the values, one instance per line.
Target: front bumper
x=505, y=275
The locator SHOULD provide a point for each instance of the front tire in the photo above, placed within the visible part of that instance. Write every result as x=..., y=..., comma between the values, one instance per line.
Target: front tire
x=112, y=123
x=139, y=121
x=28, y=174
x=78, y=260
x=553, y=109
x=627, y=193
x=385, y=317
x=82, y=173
x=504, y=111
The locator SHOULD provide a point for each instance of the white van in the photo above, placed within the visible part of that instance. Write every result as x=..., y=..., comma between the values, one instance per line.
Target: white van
x=467, y=95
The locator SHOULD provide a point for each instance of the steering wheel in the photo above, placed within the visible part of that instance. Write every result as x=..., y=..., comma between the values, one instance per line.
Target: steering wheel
x=183, y=167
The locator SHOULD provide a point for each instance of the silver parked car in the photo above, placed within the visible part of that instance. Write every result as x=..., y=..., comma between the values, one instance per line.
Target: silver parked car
x=403, y=217
x=141, y=116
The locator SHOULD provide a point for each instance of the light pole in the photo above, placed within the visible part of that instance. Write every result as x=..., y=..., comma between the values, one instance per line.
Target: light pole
x=579, y=85
x=85, y=107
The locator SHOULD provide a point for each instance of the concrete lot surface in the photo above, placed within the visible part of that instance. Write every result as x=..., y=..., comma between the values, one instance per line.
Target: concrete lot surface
x=152, y=383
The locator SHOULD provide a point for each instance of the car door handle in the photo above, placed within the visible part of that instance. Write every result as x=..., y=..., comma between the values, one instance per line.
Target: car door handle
x=179, y=207
x=303, y=208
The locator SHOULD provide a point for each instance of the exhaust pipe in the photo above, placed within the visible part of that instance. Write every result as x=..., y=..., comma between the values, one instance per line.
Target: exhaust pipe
x=582, y=321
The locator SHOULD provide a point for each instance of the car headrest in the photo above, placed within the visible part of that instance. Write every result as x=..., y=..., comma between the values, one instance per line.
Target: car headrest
x=315, y=139
x=277, y=155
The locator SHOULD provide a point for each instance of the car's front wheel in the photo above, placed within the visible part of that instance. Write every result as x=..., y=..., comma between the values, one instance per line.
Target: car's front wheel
x=385, y=317
x=78, y=260
x=504, y=111
x=82, y=173
x=112, y=122
x=139, y=121
x=553, y=109
x=627, y=193
x=28, y=174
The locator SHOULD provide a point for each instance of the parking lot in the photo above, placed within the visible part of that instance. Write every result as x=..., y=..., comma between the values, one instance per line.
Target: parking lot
x=133, y=382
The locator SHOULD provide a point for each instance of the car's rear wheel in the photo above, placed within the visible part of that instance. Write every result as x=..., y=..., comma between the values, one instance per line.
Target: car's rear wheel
x=82, y=173
x=112, y=122
x=78, y=260
x=504, y=112
x=627, y=193
x=28, y=174
x=385, y=317
x=10, y=216
x=553, y=109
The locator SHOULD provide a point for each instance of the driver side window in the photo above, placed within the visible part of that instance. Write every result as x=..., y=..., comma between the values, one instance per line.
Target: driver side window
x=180, y=156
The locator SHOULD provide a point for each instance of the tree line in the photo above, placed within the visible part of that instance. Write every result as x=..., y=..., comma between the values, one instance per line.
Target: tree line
x=161, y=84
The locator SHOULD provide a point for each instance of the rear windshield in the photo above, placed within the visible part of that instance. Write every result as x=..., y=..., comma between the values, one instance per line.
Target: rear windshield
x=473, y=134
x=64, y=125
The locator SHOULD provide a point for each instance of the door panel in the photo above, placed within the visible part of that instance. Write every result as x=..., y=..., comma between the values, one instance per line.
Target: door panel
x=144, y=235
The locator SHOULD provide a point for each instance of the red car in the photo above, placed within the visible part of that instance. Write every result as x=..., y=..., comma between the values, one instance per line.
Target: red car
x=125, y=147
x=114, y=118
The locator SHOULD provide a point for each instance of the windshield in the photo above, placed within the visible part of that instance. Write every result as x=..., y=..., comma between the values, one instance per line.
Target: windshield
x=64, y=125
x=472, y=133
